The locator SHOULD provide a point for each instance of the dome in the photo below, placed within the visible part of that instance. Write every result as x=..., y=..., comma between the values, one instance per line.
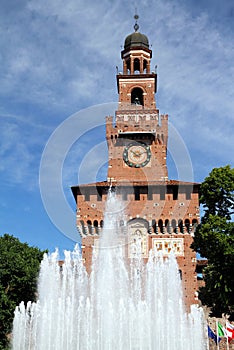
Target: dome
x=136, y=39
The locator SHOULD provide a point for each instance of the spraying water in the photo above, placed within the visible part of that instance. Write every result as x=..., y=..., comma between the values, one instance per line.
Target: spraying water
x=121, y=305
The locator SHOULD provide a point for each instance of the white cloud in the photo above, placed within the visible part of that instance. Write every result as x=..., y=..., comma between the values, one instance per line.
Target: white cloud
x=59, y=57
x=20, y=151
x=195, y=83
x=15, y=157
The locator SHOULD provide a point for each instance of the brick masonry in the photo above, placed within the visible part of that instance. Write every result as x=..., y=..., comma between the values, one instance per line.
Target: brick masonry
x=162, y=213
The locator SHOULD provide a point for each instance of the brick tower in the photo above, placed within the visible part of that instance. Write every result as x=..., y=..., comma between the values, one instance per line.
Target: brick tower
x=161, y=213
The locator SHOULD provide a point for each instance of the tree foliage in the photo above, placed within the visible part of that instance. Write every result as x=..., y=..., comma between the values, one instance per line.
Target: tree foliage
x=19, y=267
x=214, y=239
x=217, y=193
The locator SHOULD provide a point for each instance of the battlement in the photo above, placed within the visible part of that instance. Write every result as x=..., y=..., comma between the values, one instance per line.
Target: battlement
x=146, y=123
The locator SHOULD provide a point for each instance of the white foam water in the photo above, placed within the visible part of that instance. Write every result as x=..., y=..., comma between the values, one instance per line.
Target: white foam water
x=122, y=305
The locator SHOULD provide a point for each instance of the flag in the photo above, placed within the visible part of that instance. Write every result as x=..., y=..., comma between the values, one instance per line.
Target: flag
x=213, y=336
x=230, y=331
x=221, y=330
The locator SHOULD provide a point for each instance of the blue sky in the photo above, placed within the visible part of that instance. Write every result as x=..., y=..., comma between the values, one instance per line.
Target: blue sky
x=59, y=58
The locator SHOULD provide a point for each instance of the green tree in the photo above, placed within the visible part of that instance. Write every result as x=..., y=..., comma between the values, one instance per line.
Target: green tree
x=19, y=267
x=214, y=239
x=217, y=193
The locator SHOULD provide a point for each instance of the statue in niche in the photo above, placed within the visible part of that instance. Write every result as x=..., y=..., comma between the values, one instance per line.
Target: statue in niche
x=138, y=243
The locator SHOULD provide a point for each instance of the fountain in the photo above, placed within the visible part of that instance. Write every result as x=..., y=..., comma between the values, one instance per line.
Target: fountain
x=119, y=306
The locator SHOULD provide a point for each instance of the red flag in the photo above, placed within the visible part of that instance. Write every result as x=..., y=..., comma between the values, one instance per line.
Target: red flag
x=230, y=331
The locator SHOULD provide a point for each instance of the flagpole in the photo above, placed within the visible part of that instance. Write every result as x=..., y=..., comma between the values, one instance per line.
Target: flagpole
x=217, y=334
x=208, y=339
x=226, y=333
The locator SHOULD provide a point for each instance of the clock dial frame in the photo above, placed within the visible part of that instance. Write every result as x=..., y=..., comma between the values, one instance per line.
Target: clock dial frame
x=137, y=154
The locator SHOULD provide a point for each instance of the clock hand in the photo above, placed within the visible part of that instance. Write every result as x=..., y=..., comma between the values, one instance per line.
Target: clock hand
x=136, y=154
x=142, y=152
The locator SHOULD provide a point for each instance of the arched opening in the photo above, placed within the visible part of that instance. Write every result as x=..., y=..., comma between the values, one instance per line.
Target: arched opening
x=95, y=224
x=145, y=66
x=194, y=224
x=82, y=225
x=137, y=96
x=101, y=223
x=187, y=225
x=173, y=225
x=89, y=223
x=167, y=226
x=136, y=66
x=128, y=66
x=180, y=226
x=154, y=226
x=160, y=226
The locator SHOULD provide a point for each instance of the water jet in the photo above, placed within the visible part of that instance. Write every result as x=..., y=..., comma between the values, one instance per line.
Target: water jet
x=121, y=305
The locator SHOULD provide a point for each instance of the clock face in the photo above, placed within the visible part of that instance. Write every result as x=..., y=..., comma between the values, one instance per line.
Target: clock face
x=137, y=154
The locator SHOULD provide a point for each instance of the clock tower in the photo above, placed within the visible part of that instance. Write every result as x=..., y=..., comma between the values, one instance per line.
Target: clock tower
x=138, y=142
x=161, y=213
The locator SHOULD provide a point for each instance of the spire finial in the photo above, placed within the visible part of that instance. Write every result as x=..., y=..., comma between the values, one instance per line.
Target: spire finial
x=136, y=25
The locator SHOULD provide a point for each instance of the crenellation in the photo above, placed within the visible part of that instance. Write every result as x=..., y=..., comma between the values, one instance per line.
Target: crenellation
x=166, y=210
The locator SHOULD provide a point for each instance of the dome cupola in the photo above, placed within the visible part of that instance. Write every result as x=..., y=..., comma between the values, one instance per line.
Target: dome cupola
x=136, y=53
x=136, y=39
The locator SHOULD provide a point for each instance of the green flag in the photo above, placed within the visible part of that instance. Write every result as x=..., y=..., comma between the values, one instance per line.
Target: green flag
x=221, y=332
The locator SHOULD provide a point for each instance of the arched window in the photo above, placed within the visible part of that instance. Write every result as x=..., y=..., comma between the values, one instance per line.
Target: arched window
x=82, y=225
x=173, y=225
x=180, y=225
x=136, y=66
x=128, y=66
x=101, y=223
x=145, y=66
x=154, y=226
x=89, y=223
x=194, y=224
x=95, y=224
x=137, y=96
x=160, y=226
x=167, y=226
x=187, y=225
